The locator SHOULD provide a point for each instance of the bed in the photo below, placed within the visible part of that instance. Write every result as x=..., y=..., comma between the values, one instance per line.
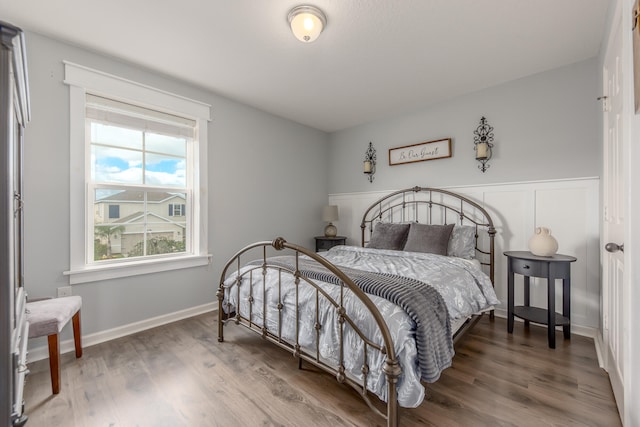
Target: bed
x=383, y=317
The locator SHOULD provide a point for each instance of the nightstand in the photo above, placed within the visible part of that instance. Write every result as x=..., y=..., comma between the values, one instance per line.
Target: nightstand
x=551, y=268
x=324, y=243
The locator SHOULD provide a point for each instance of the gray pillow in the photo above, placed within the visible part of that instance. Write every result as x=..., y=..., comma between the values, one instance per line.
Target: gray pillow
x=462, y=243
x=389, y=236
x=433, y=239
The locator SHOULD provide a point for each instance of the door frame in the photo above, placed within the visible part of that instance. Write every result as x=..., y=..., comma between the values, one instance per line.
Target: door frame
x=622, y=9
x=631, y=354
x=631, y=416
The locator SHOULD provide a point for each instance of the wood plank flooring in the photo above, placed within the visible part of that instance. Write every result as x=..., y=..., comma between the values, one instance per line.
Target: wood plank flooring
x=179, y=375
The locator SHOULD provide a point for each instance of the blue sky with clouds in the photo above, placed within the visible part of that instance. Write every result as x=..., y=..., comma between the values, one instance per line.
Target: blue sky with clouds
x=165, y=159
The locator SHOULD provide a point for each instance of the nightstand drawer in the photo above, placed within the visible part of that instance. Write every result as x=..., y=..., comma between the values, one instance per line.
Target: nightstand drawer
x=325, y=243
x=529, y=268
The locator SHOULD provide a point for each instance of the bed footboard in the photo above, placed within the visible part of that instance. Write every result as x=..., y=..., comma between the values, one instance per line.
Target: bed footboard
x=236, y=271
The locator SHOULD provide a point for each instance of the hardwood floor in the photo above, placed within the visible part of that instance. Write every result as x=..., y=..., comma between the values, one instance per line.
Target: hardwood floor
x=179, y=375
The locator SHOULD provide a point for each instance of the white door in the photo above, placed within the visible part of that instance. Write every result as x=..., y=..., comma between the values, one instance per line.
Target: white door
x=614, y=186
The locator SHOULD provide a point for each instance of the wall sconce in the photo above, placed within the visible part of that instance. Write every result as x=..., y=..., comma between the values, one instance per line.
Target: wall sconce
x=330, y=214
x=483, y=143
x=370, y=162
x=307, y=22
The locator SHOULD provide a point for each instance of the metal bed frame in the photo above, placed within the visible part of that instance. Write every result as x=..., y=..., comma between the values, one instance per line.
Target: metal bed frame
x=417, y=204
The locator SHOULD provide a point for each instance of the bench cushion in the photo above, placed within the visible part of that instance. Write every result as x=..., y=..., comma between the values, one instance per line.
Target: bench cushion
x=47, y=317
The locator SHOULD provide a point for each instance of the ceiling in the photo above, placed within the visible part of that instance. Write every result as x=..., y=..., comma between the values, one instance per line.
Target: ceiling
x=376, y=58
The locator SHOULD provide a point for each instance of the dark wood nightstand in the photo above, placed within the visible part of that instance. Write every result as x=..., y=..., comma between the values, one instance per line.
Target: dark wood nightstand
x=324, y=243
x=552, y=268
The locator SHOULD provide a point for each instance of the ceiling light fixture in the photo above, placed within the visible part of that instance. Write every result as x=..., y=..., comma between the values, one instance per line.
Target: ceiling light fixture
x=307, y=22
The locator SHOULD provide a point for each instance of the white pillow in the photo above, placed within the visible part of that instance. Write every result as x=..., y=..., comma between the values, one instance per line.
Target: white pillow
x=462, y=243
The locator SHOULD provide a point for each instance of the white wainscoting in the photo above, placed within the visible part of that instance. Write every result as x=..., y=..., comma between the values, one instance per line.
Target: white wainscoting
x=570, y=208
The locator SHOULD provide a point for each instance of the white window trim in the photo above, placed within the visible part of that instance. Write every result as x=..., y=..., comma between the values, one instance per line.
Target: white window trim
x=82, y=80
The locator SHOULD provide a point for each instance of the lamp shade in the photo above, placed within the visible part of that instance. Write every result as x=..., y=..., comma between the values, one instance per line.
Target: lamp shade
x=307, y=22
x=330, y=213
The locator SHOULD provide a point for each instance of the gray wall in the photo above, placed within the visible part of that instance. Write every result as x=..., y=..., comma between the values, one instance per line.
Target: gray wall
x=267, y=177
x=547, y=126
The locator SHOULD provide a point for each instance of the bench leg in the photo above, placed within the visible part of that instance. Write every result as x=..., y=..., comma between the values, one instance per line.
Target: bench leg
x=76, y=334
x=54, y=362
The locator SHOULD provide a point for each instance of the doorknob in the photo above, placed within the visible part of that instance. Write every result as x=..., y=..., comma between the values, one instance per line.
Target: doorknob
x=614, y=247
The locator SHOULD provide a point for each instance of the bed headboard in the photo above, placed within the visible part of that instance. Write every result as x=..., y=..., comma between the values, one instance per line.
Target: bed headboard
x=434, y=206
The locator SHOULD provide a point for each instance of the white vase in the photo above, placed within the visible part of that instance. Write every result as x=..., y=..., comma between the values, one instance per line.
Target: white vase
x=542, y=243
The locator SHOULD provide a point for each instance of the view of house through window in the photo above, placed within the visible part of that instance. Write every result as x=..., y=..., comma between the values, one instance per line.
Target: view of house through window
x=139, y=187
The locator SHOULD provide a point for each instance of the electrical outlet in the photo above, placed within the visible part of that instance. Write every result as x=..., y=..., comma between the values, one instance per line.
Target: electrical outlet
x=64, y=291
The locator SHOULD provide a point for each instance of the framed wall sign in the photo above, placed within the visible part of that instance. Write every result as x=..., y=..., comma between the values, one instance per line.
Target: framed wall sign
x=429, y=150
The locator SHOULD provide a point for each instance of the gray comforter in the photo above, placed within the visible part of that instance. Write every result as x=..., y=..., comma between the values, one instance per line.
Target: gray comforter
x=424, y=305
x=465, y=289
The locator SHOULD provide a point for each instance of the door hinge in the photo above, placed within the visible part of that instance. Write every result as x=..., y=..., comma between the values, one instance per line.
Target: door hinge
x=605, y=103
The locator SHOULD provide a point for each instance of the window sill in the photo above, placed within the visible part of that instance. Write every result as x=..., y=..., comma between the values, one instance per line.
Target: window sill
x=115, y=271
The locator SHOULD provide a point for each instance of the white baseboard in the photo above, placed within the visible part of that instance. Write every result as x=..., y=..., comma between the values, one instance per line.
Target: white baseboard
x=42, y=352
x=575, y=329
x=600, y=351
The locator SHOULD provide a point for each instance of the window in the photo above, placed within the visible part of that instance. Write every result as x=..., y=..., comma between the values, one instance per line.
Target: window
x=140, y=158
x=142, y=153
x=176, y=210
x=114, y=211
